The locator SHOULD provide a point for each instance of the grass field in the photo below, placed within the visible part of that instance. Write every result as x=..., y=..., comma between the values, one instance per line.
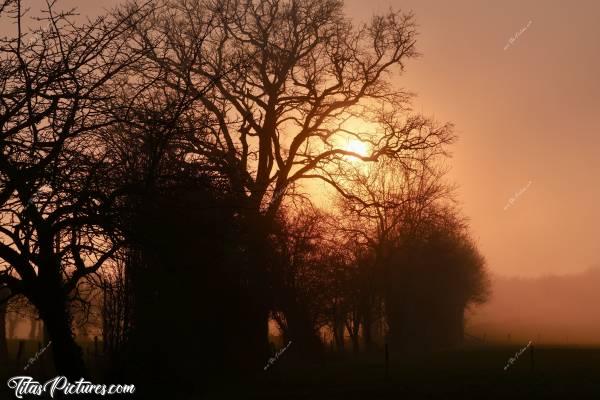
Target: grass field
x=470, y=373
x=478, y=373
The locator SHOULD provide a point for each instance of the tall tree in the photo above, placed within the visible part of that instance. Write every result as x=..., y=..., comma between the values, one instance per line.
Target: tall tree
x=54, y=210
x=290, y=82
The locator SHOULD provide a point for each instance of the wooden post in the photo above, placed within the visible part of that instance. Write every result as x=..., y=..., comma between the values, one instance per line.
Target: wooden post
x=387, y=362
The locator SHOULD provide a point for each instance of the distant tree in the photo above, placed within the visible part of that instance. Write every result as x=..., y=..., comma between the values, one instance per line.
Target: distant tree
x=419, y=260
x=383, y=198
x=34, y=333
x=12, y=324
x=115, y=306
x=436, y=273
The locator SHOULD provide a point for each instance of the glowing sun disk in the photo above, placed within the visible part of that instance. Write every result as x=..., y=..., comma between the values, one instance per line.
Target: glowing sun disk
x=358, y=147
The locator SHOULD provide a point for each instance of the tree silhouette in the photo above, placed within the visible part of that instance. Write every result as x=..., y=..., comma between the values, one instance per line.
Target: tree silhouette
x=299, y=276
x=155, y=157
x=55, y=212
x=418, y=259
x=286, y=81
x=436, y=273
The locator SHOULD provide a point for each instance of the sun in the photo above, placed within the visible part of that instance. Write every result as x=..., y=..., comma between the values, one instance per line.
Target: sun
x=358, y=147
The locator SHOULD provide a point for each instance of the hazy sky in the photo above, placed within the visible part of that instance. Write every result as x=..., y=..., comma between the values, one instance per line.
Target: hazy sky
x=524, y=115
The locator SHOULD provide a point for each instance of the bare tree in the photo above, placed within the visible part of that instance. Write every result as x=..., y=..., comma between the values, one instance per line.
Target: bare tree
x=290, y=81
x=424, y=266
x=55, y=212
x=382, y=200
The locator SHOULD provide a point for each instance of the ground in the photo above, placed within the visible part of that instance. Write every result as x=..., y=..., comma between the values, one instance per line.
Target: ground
x=468, y=373
x=477, y=373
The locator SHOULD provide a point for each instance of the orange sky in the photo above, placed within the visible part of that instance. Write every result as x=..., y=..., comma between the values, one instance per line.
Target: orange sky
x=524, y=114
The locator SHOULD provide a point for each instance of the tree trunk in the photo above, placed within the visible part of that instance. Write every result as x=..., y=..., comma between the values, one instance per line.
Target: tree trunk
x=33, y=329
x=355, y=344
x=367, y=330
x=338, y=333
x=301, y=331
x=250, y=349
x=460, y=324
x=255, y=295
x=68, y=357
x=353, y=327
x=12, y=325
x=4, y=293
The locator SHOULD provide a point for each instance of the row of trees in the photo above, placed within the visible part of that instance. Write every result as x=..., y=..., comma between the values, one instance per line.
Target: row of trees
x=405, y=260
x=156, y=155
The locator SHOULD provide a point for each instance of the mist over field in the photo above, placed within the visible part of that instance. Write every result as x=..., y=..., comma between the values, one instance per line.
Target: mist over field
x=315, y=199
x=552, y=309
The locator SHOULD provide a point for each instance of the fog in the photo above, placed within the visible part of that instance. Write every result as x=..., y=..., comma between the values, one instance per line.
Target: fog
x=553, y=309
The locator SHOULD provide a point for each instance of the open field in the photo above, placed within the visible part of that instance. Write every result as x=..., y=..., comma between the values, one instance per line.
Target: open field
x=567, y=373
x=469, y=373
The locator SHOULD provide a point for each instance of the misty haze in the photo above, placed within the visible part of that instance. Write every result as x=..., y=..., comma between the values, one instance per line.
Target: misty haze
x=304, y=199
